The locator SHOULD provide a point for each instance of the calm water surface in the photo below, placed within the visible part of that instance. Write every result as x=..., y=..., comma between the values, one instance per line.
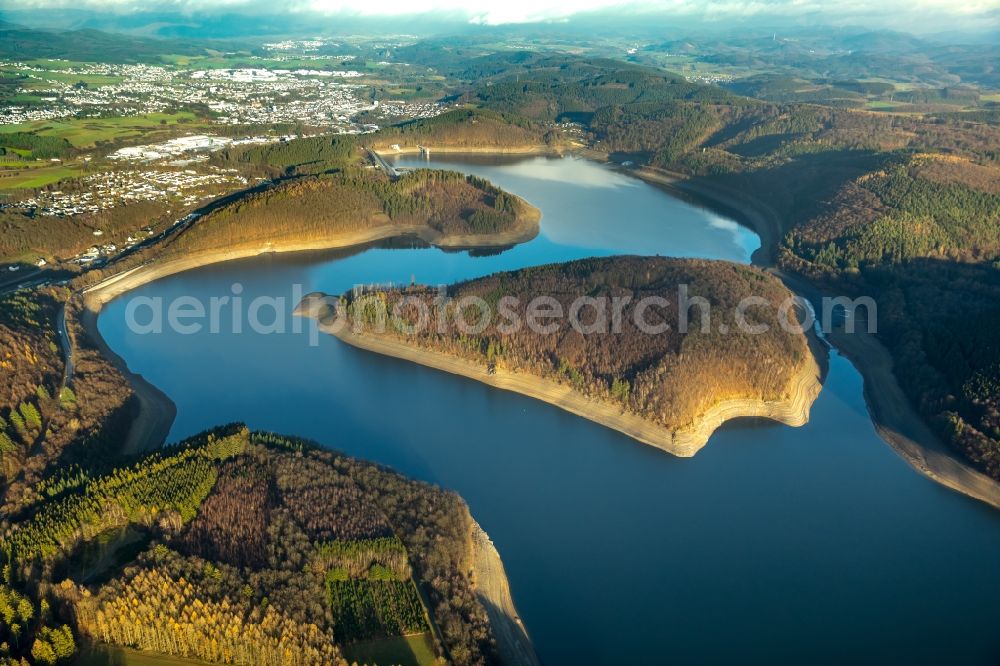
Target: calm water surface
x=814, y=545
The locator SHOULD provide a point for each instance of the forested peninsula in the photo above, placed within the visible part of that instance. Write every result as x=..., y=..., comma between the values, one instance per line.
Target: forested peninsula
x=249, y=548
x=661, y=381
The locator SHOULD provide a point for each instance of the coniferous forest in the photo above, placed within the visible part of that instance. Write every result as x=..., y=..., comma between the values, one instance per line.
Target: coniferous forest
x=245, y=548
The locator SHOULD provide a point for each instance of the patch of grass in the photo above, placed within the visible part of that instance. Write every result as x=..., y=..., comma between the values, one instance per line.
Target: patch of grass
x=416, y=650
x=32, y=177
x=102, y=655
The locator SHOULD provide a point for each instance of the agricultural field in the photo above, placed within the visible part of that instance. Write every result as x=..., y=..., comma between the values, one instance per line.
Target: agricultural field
x=33, y=175
x=86, y=133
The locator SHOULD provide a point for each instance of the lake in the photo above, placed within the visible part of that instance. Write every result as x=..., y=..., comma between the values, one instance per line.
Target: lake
x=774, y=544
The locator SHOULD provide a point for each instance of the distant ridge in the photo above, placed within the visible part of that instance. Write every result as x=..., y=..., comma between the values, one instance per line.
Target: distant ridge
x=91, y=45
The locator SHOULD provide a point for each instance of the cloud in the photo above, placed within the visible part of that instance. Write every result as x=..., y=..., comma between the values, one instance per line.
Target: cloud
x=907, y=14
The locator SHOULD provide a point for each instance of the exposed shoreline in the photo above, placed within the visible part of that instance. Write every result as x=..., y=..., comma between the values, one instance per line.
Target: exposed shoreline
x=157, y=411
x=793, y=410
x=493, y=590
x=896, y=421
x=902, y=428
x=922, y=450
x=109, y=289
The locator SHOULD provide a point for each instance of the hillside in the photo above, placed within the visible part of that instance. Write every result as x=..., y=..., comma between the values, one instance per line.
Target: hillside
x=674, y=380
x=240, y=547
x=87, y=45
x=465, y=129
x=44, y=425
x=440, y=206
x=923, y=235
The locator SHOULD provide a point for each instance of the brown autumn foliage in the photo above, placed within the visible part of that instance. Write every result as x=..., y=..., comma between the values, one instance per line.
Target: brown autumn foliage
x=198, y=591
x=231, y=526
x=317, y=208
x=462, y=128
x=347, y=513
x=65, y=237
x=82, y=423
x=649, y=374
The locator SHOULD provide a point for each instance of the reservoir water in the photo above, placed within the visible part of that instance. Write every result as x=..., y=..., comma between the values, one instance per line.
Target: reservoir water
x=773, y=545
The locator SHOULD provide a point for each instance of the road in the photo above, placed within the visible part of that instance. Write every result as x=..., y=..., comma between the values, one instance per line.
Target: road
x=34, y=277
x=66, y=345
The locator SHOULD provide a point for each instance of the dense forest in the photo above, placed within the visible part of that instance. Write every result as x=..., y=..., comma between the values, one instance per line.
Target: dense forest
x=305, y=155
x=661, y=119
x=232, y=533
x=650, y=375
x=321, y=208
x=243, y=548
x=45, y=425
x=33, y=145
x=922, y=234
x=465, y=128
x=89, y=45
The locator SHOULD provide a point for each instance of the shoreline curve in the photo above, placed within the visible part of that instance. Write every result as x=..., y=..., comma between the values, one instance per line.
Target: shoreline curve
x=919, y=447
x=803, y=388
x=157, y=411
x=896, y=421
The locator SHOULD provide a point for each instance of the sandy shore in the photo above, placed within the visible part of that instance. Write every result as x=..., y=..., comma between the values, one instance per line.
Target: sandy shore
x=792, y=410
x=898, y=423
x=493, y=590
x=895, y=419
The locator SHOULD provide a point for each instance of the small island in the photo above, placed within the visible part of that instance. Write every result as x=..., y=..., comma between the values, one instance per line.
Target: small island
x=625, y=341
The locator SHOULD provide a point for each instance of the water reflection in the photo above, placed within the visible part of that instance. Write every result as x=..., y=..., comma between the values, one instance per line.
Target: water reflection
x=810, y=545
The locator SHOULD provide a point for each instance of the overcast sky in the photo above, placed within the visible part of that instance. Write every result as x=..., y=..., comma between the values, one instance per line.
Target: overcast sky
x=918, y=15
